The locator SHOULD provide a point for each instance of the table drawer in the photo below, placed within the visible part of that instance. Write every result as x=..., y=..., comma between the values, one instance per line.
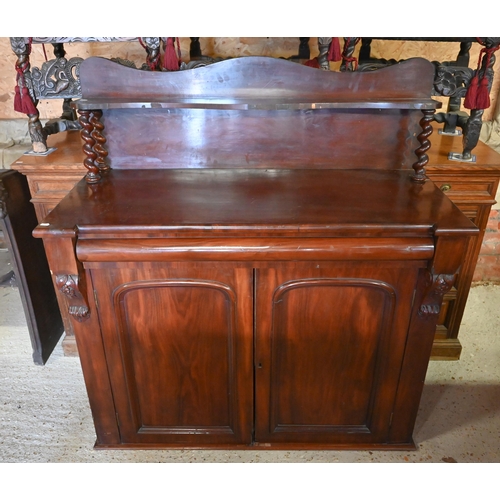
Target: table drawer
x=52, y=187
x=471, y=211
x=482, y=190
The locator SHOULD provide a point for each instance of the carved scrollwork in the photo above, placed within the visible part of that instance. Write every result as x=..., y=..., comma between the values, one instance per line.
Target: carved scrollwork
x=451, y=81
x=58, y=78
x=68, y=285
x=437, y=286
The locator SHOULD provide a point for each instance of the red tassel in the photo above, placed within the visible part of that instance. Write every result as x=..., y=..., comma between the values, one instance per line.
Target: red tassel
x=478, y=95
x=27, y=104
x=17, y=100
x=483, y=95
x=22, y=97
x=335, y=54
x=171, y=61
x=471, y=95
x=312, y=63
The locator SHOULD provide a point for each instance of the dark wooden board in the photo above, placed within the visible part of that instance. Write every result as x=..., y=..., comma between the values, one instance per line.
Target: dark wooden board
x=17, y=221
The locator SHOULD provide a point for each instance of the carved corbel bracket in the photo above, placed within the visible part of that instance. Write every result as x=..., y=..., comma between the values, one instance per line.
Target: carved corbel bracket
x=437, y=286
x=69, y=285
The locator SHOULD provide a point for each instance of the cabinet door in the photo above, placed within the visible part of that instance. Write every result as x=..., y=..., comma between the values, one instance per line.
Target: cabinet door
x=329, y=348
x=179, y=343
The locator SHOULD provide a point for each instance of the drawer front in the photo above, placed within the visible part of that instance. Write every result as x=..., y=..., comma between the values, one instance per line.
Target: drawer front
x=52, y=187
x=470, y=210
x=457, y=189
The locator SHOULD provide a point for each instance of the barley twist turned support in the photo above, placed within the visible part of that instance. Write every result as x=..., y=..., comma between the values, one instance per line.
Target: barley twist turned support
x=419, y=166
x=93, y=174
x=100, y=140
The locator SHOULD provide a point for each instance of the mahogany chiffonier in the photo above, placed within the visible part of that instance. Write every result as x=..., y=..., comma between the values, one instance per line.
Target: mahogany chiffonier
x=255, y=258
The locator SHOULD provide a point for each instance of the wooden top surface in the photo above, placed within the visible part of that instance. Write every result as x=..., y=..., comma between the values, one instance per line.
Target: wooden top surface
x=254, y=202
x=67, y=156
x=486, y=157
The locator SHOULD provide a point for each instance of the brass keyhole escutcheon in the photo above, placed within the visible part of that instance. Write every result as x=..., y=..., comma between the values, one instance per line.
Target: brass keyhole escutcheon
x=445, y=187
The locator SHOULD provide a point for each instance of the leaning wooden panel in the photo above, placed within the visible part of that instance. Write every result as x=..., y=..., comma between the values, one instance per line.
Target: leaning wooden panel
x=17, y=221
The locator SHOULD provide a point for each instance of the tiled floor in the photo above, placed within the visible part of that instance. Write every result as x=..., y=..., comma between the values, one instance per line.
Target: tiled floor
x=45, y=417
